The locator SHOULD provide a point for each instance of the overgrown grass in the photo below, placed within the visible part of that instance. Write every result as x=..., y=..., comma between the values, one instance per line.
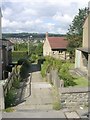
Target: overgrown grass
x=56, y=105
x=10, y=109
x=56, y=100
x=63, y=68
x=81, y=81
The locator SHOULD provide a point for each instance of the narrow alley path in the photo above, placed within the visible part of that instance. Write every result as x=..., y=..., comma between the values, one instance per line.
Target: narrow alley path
x=41, y=97
x=38, y=102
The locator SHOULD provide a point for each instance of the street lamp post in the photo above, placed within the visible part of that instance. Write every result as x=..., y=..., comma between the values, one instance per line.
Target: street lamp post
x=29, y=38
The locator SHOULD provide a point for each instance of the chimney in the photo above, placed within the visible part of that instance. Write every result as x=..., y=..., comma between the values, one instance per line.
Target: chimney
x=46, y=34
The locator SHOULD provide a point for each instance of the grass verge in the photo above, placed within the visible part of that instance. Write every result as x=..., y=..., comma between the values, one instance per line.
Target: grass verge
x=56, y=101
x=81, y=82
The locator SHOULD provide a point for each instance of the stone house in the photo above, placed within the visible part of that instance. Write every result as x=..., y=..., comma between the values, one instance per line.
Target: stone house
x=82, y=60
x=55, y=47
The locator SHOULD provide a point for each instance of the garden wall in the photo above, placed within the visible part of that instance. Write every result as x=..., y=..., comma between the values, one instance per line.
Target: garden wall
x=74, y=97
x=53, y=78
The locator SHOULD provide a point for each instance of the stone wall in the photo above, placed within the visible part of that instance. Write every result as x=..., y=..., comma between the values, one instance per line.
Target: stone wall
x=70, y=97
x=53, y=78
x=74, y=97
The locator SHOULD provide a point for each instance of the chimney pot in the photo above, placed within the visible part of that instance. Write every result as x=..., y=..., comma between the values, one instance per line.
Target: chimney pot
x=46, y=34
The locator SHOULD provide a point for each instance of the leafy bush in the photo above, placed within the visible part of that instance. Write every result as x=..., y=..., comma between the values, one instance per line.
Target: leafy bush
x=24, y=69
x=16, y=55
x=34, y=57
x=57, y=64
x=10, y=98
x=50, y=63
x=44, y=68
x=16, y=83
x=62, y=67
x=66, y=76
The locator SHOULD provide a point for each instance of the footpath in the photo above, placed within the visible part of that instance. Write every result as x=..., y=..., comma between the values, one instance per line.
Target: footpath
x=37, y=101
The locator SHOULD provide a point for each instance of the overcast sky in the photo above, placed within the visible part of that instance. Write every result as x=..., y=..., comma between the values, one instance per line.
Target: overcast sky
x=53, y=16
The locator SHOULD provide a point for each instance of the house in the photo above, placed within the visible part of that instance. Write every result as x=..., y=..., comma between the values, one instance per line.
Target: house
x=0, y=46
x=82, y=58
x=6, y=56
x=55, y=47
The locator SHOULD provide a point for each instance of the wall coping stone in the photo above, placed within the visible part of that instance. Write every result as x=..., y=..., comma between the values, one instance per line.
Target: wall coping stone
x=74, y=90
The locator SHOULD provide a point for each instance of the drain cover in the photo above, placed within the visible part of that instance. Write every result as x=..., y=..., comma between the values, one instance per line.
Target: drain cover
x=71, y=114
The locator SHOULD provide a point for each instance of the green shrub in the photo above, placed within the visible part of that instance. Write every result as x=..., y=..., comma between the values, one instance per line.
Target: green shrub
x=57, y=64
x=16, y=55
x=10, y=98
x=66, y=76
x=34, y=57
x=45, y=68
x=16, y=83
x=50, y=63
x=62, y=67
x=56, y=105
x=24, y=69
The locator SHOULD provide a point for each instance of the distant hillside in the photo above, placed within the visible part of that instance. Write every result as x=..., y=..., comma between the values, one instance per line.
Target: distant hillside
x=28, y=35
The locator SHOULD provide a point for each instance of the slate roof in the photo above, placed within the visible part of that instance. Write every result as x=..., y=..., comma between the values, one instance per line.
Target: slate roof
x=10, y=43
x=87, y=50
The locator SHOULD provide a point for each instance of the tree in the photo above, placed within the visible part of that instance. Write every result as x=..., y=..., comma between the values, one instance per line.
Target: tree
x=75, y=32
x=39, y=49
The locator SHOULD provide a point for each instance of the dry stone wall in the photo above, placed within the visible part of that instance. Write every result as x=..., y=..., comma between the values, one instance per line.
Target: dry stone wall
x=74, y=97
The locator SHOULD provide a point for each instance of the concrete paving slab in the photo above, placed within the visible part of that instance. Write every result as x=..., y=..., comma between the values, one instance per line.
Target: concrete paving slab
x=41, y=85
x=35, y=114
x=71, y=114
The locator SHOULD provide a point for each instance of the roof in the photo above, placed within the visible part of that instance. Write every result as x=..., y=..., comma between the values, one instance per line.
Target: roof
x=86, y=18
x=10, y=43
x=58, y=42
x=87, y=50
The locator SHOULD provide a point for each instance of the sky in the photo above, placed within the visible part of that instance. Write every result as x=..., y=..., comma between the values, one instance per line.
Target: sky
x=39, y=16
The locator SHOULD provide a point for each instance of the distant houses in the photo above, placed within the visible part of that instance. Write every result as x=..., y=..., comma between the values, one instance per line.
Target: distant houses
x=82, y=60
x=55, y=47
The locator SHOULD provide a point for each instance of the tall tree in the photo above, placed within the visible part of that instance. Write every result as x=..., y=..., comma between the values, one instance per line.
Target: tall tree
x=75, y=32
